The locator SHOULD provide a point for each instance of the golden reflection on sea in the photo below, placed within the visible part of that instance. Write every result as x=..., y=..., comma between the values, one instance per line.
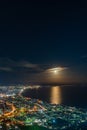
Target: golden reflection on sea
x=55, y=97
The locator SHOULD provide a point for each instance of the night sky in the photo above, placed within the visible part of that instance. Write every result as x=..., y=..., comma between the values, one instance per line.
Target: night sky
x=38, y=36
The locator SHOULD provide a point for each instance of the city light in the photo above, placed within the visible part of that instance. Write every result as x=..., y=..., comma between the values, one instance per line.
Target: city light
x=23, y=111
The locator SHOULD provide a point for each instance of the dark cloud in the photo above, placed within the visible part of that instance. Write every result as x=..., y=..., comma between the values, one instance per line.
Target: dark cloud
x=13, y=71
x=24, y=66
x=7, y=69
x=9, y=65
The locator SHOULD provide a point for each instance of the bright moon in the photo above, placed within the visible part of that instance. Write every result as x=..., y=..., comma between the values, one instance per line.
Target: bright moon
x=55, y=71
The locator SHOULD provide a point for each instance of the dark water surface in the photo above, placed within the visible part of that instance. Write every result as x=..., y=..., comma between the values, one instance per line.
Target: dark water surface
x=66, y=95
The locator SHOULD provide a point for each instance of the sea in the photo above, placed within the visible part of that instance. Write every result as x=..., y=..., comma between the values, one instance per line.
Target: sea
x=69, y=95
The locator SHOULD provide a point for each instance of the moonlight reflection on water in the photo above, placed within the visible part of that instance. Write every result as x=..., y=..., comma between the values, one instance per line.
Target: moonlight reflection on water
x=55, y=95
